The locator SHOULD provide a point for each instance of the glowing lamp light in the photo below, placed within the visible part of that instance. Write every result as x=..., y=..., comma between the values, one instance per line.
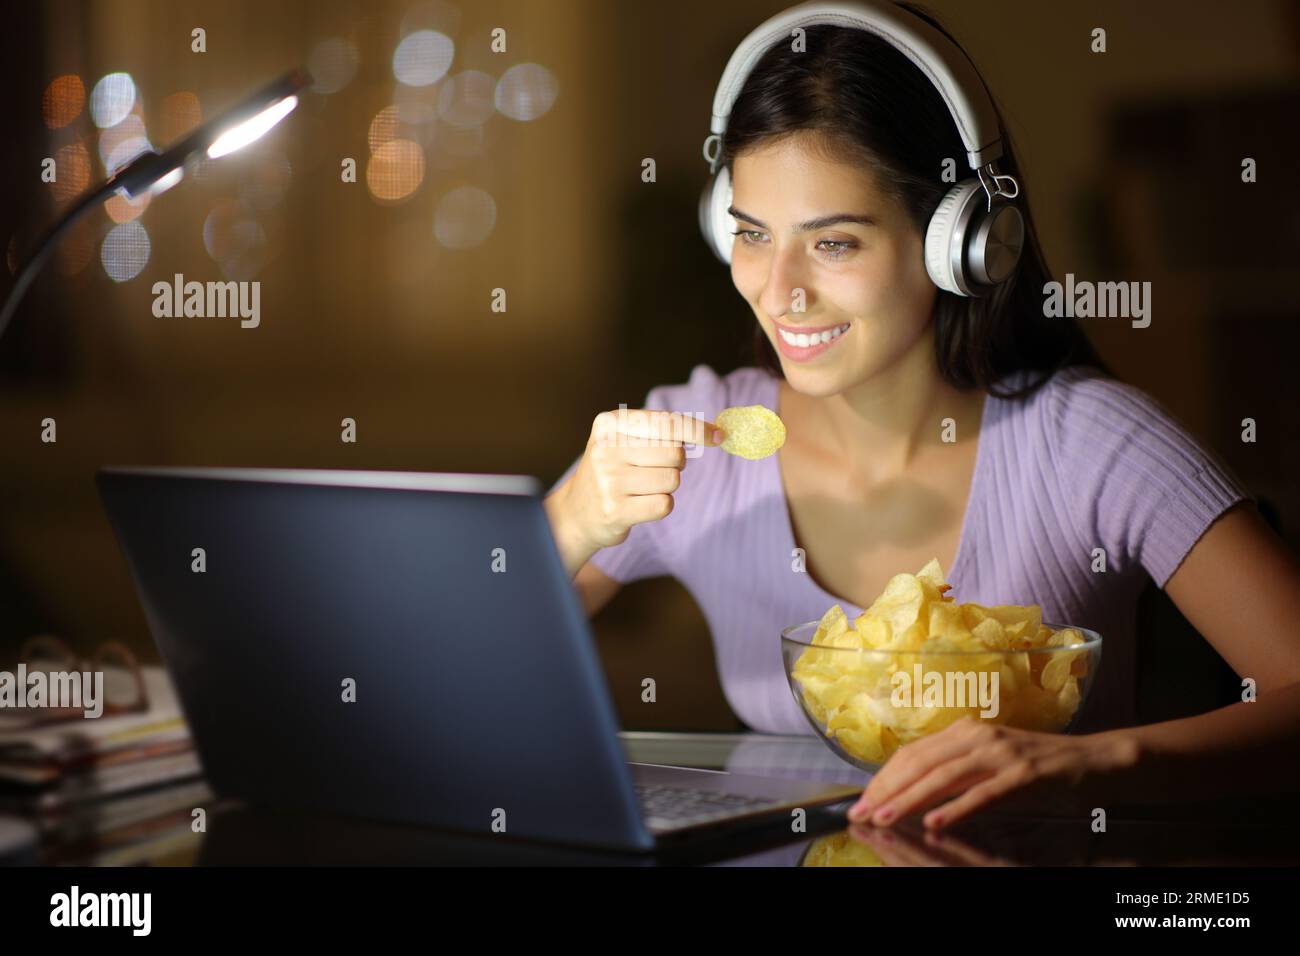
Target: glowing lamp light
x=252, y=129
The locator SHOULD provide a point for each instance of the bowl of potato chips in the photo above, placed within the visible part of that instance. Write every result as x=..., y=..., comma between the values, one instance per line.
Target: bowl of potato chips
x=916, y=661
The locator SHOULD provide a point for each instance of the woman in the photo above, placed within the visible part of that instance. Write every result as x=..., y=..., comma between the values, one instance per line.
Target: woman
x=1054, y=466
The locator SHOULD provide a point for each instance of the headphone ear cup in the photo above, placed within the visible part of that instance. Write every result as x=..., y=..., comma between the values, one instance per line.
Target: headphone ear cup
x=996, y=243
x=946, y=236
x=715, y=222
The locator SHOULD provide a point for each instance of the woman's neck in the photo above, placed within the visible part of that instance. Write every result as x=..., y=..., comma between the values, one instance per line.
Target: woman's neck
x=880, y=427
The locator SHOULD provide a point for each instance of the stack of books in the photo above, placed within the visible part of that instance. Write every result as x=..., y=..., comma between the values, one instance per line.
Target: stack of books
x=112, y=790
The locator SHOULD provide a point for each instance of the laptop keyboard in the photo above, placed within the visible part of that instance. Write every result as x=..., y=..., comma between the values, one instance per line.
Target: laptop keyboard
x=681, y=806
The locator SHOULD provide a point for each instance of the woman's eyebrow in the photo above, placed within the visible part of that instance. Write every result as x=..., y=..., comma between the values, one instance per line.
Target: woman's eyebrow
x=821, y=222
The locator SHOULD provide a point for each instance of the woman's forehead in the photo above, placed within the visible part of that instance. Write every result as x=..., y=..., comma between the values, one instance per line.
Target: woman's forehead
x=791, y=173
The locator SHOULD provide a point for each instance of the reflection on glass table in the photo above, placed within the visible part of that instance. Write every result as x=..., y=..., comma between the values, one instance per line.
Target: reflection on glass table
x=1244, y=831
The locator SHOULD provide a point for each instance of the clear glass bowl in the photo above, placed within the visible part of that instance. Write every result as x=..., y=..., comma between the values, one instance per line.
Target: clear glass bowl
x=864, y=713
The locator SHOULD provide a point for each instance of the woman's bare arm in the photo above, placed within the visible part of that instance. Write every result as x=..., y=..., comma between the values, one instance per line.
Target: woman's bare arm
x=595, y=587
x=1240, y=587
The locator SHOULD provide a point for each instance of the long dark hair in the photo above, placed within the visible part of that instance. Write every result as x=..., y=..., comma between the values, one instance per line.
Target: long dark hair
x=869, y=102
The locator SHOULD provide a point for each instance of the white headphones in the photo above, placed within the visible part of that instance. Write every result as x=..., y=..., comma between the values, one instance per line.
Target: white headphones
x=968, y=250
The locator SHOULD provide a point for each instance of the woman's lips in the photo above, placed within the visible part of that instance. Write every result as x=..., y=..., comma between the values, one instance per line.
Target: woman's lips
x=798, y=353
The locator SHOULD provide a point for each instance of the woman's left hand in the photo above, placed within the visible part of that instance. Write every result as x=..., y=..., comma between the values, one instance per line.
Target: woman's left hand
x=988, y=764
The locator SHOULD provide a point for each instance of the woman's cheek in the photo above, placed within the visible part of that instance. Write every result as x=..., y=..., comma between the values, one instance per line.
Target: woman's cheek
x=858, y=293
x=738, y=276
x=885, y=286
x=745, y=279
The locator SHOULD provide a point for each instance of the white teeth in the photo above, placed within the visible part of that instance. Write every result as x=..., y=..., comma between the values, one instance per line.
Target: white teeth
x=803, y=339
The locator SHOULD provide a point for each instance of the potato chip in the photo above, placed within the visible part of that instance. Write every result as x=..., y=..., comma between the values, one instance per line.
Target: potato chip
x=833, y=623
x=753, y=431
x=873, y=631
x=916, y=627
x=989, y=633
x=840, y=849
x=933, y=573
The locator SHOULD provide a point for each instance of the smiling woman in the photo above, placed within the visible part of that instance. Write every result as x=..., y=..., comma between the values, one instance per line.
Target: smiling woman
x=928, y=415
x=877, y=129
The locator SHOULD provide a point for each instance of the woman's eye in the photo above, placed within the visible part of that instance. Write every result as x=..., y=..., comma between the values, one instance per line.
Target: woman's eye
x=832, y=248
x=839, y=250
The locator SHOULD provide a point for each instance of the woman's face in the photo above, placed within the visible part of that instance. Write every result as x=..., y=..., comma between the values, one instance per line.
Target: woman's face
x=804, y=268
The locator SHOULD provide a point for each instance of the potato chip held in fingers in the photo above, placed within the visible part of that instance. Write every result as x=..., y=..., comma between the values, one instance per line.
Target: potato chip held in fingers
x=753, y=431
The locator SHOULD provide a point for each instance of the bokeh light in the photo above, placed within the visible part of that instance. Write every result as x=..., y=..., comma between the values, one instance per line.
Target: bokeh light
x=395, y=170
x=235, y=240
x=383, y=127
x=390, y=123
x=220, y=237
x=423, y=57
x=526, y=91
x=111, y=99
x=125, y=251
x=122, y=143
x=332, y=64
x=71, y=172
x=121, y=209
x=267, y=180
x=254, y=251
x=467, y=99
x=464, y=217
x=63, y=101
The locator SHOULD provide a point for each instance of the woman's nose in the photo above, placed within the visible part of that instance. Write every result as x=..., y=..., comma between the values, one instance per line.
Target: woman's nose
x=785, y=290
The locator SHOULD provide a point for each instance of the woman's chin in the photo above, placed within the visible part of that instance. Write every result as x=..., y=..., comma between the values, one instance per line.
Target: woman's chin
x=815, y=382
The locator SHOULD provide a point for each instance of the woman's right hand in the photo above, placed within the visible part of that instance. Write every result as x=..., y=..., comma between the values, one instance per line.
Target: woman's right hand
x=618, y=484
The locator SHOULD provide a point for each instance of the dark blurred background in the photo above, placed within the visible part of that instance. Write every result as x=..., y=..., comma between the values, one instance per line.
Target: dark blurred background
x=522, y=171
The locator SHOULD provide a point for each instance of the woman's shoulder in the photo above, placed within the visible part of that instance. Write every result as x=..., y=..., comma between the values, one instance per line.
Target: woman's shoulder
x=1080, y=389
x=1083, y=412
x=1133, y=478
x=1099, y=434
x=706, y=392
x=1070, y=388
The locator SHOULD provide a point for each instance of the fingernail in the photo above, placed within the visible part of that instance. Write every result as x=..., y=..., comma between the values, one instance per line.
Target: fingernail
x=860, y=811
x=719, y=436
x=884, y=814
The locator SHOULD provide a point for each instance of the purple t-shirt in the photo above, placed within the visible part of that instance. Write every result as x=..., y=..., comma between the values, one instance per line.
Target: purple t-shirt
x=1085, y=462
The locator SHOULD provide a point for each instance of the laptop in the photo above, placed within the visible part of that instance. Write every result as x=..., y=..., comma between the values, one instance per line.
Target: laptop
x=402, y=647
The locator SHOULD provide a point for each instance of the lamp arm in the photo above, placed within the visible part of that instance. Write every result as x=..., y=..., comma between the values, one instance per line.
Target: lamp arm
x=33, y=265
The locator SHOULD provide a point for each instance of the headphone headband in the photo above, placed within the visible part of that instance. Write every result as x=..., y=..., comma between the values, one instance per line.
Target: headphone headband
x=947, y=67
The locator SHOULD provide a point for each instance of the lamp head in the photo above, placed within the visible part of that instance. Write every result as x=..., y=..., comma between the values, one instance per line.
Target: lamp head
x=232, y=130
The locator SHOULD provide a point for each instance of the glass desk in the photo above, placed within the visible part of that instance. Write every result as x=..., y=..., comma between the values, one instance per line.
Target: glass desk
x=1244, y=832
x=1256, y=831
